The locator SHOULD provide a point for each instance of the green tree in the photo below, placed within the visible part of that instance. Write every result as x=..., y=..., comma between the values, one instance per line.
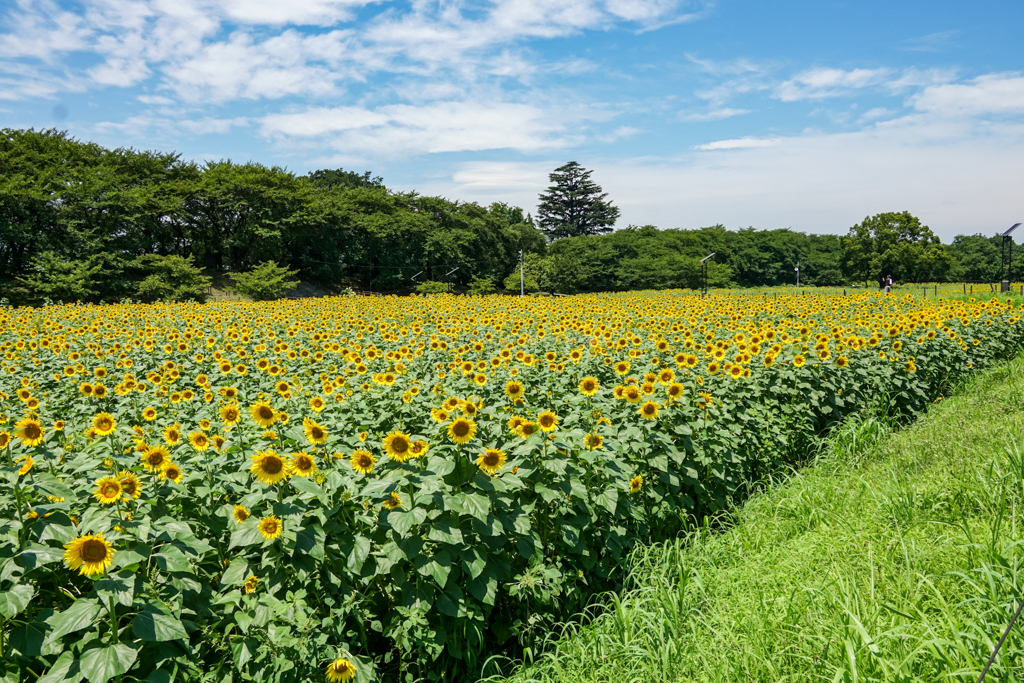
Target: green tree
x=574, y=205
x=266, y=282
x=896, y=244
x=170, y=278
x=481, y=285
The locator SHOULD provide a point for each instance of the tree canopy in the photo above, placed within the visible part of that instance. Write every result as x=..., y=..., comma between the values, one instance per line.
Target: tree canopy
x=574, y=205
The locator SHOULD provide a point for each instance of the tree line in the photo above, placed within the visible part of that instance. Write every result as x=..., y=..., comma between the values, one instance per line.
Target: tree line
x=82, y=222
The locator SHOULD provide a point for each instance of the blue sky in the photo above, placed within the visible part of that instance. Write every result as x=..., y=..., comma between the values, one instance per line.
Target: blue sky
x=808, y=115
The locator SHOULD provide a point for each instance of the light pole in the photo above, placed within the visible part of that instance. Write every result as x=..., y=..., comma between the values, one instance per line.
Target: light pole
x=448, y=275
x=704, y=273
x=522, y=286
x=1007, y=240
x=797, y=269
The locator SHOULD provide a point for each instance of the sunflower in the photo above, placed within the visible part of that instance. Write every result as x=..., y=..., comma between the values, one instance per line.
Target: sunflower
x=514, y=389
x=131, y=487
x=269, y=467
x=108, y=490
x=491, y=460
x=155, y=458
x=589, y=386
x=315, y=434
x=230, y=414
x=592, y=441
x=171, y=473
x=303, y=464
x=842, y=361
x=547, y=421
x=635, y=483
x=317, y=403
x=5, y=438
x=418, y=448
x=395, y=501
x=90, y=555
x=251, y=583
x=462, y=430
x=270, y=527
x=363, y=461
x=398, y=446
x=29, y=431
x=799, y=362
x=736, y=371
x=649, y=410
x=263, y=414
x=172, y=434
x=622, y=367
x=675, y=390
x=199, y=441
x=704, y=400
x=631, y=394
x=340, y=671
x=149, y=414
x=26, y=466
x=526, y=429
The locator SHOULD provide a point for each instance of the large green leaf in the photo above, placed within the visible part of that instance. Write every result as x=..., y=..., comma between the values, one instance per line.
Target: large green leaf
x=100, y=664
x=236, y=573
x=119, y=588
x=242, y=650
x=437, y=567
x=153, y=624
x=81, y=614
x=476, y=505
x=64, y=670
x=15, y=600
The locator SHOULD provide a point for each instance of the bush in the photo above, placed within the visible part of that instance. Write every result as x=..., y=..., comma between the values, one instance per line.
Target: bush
x=481, y=285
x=265, y=282
x=432, y=287
x=170, y=278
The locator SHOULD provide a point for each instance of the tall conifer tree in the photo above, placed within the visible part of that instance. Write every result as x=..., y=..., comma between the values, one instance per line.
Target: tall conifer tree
x=574, y=205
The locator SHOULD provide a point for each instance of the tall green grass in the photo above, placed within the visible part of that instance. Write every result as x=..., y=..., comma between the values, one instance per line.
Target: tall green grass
x=899, y=556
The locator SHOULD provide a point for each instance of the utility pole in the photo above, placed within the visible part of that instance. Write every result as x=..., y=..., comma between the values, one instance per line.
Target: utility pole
x=449, y=276
x=522, y=286
x=797, y=273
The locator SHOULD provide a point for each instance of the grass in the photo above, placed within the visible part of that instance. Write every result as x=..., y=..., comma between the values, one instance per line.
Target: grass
x=898, y=556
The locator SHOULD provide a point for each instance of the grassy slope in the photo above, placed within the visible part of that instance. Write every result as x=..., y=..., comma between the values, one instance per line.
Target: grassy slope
x=898, y=557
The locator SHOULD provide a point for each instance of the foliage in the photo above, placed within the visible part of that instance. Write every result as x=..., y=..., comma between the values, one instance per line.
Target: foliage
x=432, y=287
x=839, y=574
x=266, y=282
x=895, y=244
x=528, y=279
x=481, y=286
x=391, y=536
x=574, y=205
x=171, y=278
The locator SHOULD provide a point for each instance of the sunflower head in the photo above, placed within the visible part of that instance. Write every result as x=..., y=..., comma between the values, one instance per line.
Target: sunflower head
x=263, y=414
x=269, y=467
x=393, y=501
x=155, y=458
x=108, y=490
x=131, y=487
x=398, y=446
x=491, y=460
x=270, y=527
x=303, y=464
x=363, y=461
x=635, y=483
x=462, y=430
x=589, y=386
x=251, y=584
x=649, y=410
x=592, y=441
x=29, y=431
x=340, y=670
x=230, y=414
x=199, y=441
x=547, y=421
x=315, y=434
x=90, y=555
x=526, y=428
x=240, y=514
x=172, y=473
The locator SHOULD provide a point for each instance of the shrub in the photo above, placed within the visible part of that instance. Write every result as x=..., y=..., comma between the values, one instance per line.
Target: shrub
x=432, y=287
x=266, y=282
x=170, y=278
x=481, y=285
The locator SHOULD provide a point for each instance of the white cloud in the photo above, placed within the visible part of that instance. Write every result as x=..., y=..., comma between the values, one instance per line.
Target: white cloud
x=820, y=83
x=740, y=143
x=444, y=126
x=933, y=42
x=715, y=114
x=988, y=94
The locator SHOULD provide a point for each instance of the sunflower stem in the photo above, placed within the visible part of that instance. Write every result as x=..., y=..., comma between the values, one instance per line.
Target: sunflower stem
x=113, y=623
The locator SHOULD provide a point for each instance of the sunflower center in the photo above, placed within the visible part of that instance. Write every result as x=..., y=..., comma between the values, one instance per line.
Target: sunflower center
x=272, y=465
x=304, y=464
x=491, y=459
x=94, y=551
x=266, y=413
x=32, y=431
x=460, y=429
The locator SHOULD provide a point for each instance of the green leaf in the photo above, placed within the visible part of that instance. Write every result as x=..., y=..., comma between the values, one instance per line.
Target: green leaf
x=236, y=573
x=152, y=624
x=50, y=486
x=171, y=559
x=444, y=531
x=246, y=534
x=242, y=650
x=608, y=499
x=120, y=587
x=100, y=664
x=526, y=546
x=477, y=505
x=310, y=541
x=437, y=567
x=28, y=639
x=81, y=614
x=360, y=551
x=39, y=555
x=9, y=672
x=309, y=487
x=15, y=600
x=401, y=522
x=64, y=670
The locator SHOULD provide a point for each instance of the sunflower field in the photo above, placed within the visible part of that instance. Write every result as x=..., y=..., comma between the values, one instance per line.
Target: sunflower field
x=403, y=488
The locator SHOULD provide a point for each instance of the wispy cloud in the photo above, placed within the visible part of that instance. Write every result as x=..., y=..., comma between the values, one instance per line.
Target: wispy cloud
x=713, y=115
x=820, y=83
x=933, y=42
x=988, y=94
x=740, y=143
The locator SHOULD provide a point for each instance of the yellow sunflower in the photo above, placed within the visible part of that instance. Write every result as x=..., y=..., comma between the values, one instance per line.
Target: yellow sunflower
x=230, y=414
x=514, y=389
x=26, y=466
x=635, y=483
x=155, y=458
x=240, y=513
x=491, y=460
x=592, y=441
x=131, y=487
x=340, y=670
x=462, y=430
x=29, y=432
x=269, y=467
x=303, y=464
x=398, y=446
x=199, y=441
x=363, y=461
x=149, y=414
x=251, y=584
x=526, y=428
x=547, y=421
x=649, y=410
x=172, y=434
x=263, y=414
x=589, y=386
x=315, y=434
x=90, y=555
x=270, y=527
x=171, y=473
x=108, y=490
